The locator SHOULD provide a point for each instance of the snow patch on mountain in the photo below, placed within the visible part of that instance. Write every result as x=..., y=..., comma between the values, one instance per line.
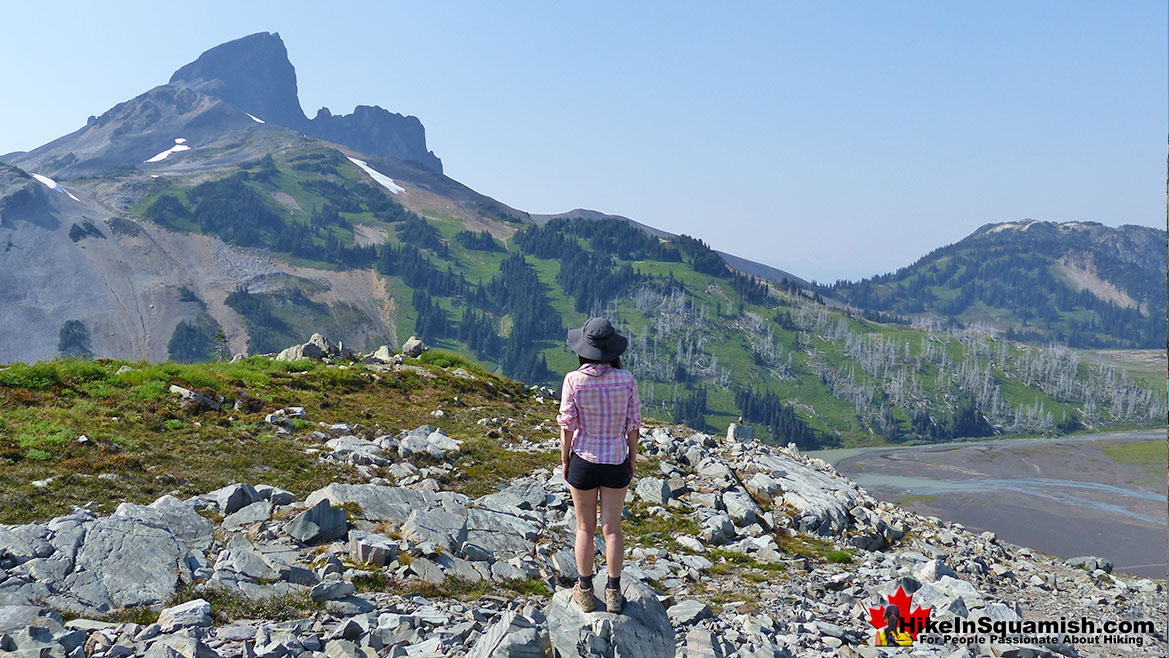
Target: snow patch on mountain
x=54, y=185
x=180, y=145
x=254, y=117
x=381, y=179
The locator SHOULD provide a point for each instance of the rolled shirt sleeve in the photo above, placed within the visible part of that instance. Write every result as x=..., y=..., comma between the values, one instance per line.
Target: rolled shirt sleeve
x=568, y=416
x=633, y=408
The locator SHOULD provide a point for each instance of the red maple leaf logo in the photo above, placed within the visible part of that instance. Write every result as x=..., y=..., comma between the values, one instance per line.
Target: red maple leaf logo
x=911, y=622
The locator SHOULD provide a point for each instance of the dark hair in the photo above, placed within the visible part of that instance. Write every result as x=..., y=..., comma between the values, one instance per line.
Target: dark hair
x=616, y=363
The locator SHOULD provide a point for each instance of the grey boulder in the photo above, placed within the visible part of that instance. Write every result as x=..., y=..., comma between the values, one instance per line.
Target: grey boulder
x=413, y=347
x=368, y=548
x=124, y=562
x=688, y=612
x=173, y=515
x=298, y=352
x=378, y=503
x=513, y=636
x=762, y=486
x=254, y=513
x=243, y=559
x=1090, y=563
x=654, y=491
x=184, y=615
x=525, y=494
x=642, y=630
x=740, y=507
x=437, y=526
x=234, y=497
x=740, y=433
x=931, y=570
x=319, y=523
x=331, y=590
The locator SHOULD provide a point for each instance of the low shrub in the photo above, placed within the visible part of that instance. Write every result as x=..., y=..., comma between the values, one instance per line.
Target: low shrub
x=445, y=359
x=839, y=557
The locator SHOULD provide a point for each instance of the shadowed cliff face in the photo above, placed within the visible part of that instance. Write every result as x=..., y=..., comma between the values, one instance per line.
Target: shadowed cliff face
x=254, y=74
x=375, y=130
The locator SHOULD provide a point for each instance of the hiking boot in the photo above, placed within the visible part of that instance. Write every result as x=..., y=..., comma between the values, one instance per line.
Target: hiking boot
x=584, y=598
x=614, y=602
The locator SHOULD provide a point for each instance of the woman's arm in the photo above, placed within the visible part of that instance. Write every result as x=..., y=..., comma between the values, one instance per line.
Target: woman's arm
x=565, y=448
x=567, y=419
x=632, y=438
x=633, y=423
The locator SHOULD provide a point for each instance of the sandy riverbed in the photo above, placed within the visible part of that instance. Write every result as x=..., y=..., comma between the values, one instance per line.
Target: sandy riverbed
x=1063, y=497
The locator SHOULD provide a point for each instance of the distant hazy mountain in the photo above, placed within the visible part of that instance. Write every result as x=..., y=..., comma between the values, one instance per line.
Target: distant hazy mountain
x=765, y=272
x=1082, y=283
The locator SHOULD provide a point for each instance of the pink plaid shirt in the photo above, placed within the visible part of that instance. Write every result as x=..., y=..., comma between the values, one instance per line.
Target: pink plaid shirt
x=600, y=405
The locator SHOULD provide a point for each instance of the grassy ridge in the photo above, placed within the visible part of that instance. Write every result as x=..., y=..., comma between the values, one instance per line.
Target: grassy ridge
x=141, y=442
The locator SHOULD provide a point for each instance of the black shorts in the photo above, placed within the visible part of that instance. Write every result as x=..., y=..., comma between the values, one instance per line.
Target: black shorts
x=583, y=474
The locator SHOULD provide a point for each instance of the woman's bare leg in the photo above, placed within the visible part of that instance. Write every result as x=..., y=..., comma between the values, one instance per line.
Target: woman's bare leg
x=612, y=503
x=584, y=501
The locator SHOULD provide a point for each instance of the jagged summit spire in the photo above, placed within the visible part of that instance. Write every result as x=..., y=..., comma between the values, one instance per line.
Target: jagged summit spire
x=253, y=73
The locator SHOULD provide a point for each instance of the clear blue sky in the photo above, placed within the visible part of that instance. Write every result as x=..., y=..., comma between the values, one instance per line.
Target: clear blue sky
x=830, y=139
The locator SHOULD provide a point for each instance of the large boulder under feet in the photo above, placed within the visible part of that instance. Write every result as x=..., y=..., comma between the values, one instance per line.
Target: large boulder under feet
x=642, y=630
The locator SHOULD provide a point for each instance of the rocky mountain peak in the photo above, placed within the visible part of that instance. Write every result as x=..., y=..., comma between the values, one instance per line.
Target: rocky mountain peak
x=253, y=73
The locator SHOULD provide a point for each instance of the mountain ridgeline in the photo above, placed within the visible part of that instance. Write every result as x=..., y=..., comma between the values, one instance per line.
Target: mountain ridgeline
x=1079, y=283
x=209, y=217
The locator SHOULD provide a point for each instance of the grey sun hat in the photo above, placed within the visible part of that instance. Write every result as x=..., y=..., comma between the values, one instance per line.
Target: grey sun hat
x=597, y=340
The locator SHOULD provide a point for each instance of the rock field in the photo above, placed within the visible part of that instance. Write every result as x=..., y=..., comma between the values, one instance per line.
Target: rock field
x=775, y=554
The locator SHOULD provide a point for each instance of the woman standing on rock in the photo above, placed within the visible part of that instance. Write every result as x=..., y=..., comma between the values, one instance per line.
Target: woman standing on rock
x=600, y=415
